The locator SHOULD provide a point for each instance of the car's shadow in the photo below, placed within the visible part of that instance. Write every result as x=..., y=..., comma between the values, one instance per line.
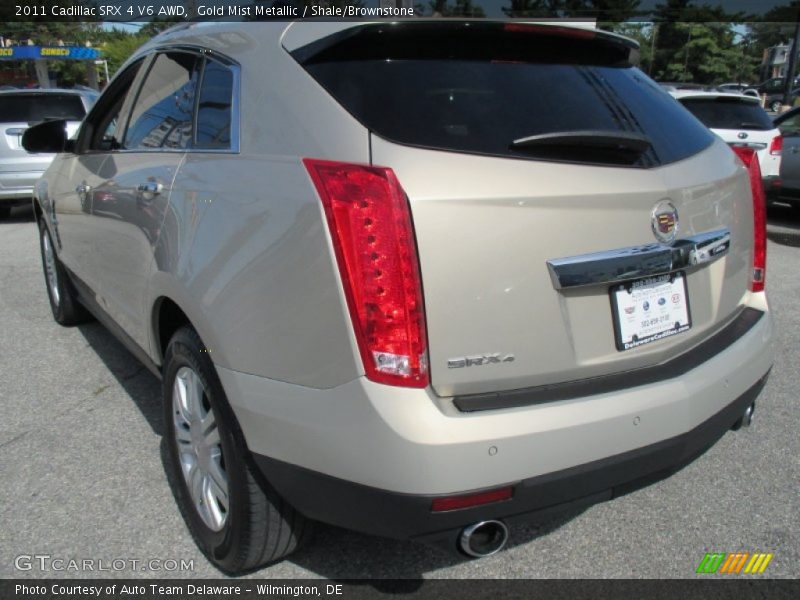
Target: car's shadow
x=19, y=214
x=332, y=552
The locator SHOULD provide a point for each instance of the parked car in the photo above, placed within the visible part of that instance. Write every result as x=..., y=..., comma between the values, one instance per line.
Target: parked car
x=20, y=109
x=740, y=121
x=391, y=286
x=773, y=89
x=738, y=88
x=789, y=190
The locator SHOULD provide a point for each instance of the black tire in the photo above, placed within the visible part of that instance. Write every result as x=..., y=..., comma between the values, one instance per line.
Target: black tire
x=259, y=527
x=67, y=310
x=4, y=211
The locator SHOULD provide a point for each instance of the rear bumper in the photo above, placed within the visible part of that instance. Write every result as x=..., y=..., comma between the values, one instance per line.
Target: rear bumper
x=391, y=514
x=17, y=186
x=370, y=457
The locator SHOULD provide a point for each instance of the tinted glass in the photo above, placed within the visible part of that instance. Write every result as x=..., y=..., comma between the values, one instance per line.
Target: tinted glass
x=103, y=123
x=162, y=114
x=729, y=113
x=478, y=94
x=33, y=108
x=214, y=107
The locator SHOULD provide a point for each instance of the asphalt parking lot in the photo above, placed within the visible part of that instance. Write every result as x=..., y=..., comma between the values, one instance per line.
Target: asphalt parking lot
x=83, y=475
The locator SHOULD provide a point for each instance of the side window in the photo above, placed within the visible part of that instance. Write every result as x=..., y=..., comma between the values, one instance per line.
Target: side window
x=162, y=114
x=214, y=107
x=103, y=122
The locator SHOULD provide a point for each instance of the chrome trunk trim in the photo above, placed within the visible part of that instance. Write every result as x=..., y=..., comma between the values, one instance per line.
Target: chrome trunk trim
x=634, y=262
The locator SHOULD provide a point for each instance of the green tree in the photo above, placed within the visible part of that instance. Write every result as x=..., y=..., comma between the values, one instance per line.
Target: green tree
x=117, y=49
x=461, y=8
x=604, y=11
x=644, y=33
x=685, y=32
x=708, y=54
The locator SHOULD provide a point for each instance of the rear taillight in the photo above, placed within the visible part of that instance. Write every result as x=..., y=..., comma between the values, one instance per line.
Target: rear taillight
x=749, y=158
x=776, y=145
x=373, y=238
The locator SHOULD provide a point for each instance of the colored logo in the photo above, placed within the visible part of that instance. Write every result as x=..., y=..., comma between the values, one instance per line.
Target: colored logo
x=664, y=221
x=734, y=563
x=676, y=298
x=629, y=310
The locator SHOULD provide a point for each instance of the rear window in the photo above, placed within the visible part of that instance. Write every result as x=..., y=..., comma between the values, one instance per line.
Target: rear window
x=729, y=113
x=488, y=85
x=34, y=108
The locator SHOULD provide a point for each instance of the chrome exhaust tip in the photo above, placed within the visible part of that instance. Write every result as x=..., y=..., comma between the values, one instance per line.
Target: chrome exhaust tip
x=746, y=419
x=483, y=539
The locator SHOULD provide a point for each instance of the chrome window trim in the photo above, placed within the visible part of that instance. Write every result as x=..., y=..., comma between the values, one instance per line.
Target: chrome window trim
x=634, y=262
x=207, y=54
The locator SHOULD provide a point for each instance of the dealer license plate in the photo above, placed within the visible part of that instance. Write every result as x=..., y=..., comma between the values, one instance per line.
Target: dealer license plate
x=650, y=309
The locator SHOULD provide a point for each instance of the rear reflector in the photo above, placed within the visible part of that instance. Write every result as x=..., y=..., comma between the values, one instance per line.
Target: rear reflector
x=776, y=145
x=750, y=159
x=373, y=238
x=468, y=500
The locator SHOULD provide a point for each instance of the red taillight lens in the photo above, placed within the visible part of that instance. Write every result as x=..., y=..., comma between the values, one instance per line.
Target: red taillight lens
x=749, y=158
x=373, y=238
x=468, y=500
x=776, y=145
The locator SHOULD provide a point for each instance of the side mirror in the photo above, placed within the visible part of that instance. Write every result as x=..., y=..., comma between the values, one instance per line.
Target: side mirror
x=48, y=137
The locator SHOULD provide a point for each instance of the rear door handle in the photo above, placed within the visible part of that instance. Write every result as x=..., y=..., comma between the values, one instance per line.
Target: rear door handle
x=151, y=187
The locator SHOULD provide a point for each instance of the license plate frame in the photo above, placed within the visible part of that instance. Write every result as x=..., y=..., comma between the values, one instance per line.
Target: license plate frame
x=662, y=300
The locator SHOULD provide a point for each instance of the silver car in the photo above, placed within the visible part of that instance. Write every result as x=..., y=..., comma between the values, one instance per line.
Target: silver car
x=19, y=109
x=418, y=289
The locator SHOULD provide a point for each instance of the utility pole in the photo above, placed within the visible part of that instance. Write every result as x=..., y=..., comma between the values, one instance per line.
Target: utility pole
x=652, y=49
x=789, y=83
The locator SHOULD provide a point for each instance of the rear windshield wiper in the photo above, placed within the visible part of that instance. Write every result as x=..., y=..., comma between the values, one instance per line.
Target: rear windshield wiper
x=625, y=141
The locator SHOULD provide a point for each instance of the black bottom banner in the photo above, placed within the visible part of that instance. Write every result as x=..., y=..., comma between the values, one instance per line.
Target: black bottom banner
x=401, y=589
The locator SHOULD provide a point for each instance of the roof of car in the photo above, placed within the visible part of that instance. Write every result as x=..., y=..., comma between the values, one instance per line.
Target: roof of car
x=681, y=94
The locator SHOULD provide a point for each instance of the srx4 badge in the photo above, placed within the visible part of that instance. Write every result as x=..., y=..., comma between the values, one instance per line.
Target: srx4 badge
x=479, y=360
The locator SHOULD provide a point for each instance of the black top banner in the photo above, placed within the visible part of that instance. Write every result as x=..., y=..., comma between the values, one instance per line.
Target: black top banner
x=101, y=11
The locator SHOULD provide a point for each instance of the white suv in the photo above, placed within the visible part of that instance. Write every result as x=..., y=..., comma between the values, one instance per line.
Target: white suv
x=740, y=121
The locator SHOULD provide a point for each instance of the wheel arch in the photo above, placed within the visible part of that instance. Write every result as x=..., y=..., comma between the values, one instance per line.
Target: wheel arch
x=167, y=317
x=38, y=213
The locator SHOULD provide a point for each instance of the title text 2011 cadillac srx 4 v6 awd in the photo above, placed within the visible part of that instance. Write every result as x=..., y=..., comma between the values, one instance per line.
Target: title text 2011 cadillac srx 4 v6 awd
x=413, y=288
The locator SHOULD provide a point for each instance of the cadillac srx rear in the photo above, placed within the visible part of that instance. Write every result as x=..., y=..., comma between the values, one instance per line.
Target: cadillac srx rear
x=421, y=279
